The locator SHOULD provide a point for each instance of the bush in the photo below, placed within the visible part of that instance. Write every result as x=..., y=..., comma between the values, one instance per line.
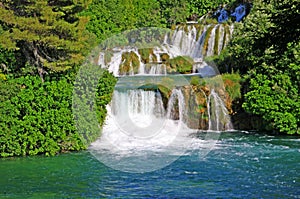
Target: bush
x=36, y=117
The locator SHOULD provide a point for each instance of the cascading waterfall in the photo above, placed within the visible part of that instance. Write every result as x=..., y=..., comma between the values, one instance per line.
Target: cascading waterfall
x=152, y=119
x=143, y=106
x=190, y=40
x=193, y=40
x=137, y=119
x=114, y=65
x=218, y=117
x=221, y=33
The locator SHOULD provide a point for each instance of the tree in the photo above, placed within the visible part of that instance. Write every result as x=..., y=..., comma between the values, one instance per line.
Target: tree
x=49, y=34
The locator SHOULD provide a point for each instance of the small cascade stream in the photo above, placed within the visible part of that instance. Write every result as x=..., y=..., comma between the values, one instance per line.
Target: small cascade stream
x=218, y=116
x=176, y=106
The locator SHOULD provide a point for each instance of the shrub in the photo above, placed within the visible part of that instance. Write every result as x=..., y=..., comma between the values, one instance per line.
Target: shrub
x=36, y=117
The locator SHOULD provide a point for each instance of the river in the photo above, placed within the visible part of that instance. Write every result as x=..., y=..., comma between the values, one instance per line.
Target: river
x=240, y=165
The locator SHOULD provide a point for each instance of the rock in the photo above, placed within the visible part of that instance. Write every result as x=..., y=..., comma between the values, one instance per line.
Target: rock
x=130, y=63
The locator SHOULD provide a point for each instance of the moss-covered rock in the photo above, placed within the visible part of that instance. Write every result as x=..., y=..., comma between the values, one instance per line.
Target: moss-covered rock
x=196, y=107
x=206, y=41
x=130, y=63
x=147, y=55
x=164, y=57
x=180, y=64
x=217, y=35
x=195, y=80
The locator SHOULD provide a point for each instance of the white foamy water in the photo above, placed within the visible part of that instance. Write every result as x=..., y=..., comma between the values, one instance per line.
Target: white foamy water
x=137, y=125
x=137, y=120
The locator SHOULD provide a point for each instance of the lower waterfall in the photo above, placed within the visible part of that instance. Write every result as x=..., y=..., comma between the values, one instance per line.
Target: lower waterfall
x=141, y=124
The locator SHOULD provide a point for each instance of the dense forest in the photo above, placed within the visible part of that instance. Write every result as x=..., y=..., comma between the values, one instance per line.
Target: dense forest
x=43, y=43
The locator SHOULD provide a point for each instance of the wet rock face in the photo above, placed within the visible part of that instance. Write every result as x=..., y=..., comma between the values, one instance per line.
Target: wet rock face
x=195, y=105
x=198, y=104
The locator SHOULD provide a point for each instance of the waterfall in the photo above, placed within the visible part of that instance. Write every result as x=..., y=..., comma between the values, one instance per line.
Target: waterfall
x=190, y=39
x=221, y=39
x=143, y=106
x=219, y=119
x=141, y=116
x=176, y=106
x=114, y=64
x=137, y=119
x=101, y=59
x=185, y=40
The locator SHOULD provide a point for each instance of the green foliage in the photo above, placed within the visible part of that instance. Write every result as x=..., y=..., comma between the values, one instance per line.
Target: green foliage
x=93, y=89
x=195, y=80
x=36, y=117
x=109, y=17
x=202, y=7
x=276, y=100
x=270, y=62
x=104, y=92
x=173, y=11
x=115, y=16
x=7, y=60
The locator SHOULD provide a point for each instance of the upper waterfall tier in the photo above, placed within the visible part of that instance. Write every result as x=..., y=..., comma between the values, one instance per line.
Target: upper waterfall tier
x=199, y=41
x=181, y=51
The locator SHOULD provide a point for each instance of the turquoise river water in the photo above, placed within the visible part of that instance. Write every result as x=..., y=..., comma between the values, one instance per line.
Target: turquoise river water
x=242, y=165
